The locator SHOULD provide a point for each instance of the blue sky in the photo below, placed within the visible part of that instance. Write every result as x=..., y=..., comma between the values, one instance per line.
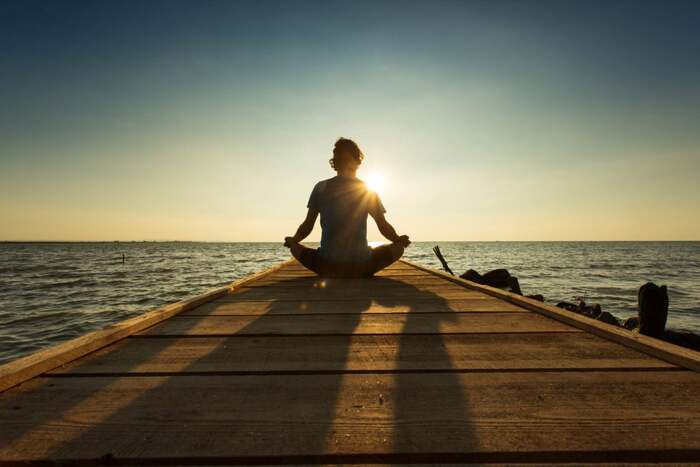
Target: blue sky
x=493, y=120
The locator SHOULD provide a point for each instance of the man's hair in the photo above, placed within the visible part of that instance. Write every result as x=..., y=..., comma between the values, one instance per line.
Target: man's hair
x=343, y=146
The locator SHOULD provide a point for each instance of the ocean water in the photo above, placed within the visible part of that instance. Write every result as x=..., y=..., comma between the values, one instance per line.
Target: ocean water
x=51, y=292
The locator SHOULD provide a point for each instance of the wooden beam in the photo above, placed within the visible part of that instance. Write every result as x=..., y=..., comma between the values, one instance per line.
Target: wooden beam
x=368, y=353
x=481, y=304
x=357, y=323
x=669, y=352
x=609, y=415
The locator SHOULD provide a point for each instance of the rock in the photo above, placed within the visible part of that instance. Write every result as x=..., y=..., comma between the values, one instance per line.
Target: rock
x=473, y=276
x=683, y=338
x=537, y=297
x=515, y=285
x=590, y=311
x=500, y=278
x=631, y=323
x=568, y=306
x=497, y=278
x=607, y=317
x=653, y=309
x=595, y=311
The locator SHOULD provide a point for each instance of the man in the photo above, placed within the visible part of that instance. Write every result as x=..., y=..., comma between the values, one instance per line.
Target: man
x=344, y=202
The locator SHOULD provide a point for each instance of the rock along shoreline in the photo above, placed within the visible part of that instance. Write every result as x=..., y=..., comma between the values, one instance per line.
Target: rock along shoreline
x=652, y=306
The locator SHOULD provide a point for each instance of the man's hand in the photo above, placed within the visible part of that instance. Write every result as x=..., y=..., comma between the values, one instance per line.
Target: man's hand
x=403, y=241
x=288, y=241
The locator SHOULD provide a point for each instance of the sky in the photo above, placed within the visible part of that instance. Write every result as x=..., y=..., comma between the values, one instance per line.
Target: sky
x=212, y=120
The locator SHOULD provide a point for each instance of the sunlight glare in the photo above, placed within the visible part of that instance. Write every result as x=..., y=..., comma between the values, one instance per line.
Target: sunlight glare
x=376, y=182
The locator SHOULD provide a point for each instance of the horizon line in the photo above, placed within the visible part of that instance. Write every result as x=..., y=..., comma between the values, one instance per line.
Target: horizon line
x=370, y=241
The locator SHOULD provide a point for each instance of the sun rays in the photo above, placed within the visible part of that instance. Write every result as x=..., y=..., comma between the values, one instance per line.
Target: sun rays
x=376, y=182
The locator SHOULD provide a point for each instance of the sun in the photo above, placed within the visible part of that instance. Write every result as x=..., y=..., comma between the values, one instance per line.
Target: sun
x=375, y=182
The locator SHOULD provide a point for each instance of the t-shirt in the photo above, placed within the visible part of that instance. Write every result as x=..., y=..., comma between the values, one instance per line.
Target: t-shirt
x=344, y=203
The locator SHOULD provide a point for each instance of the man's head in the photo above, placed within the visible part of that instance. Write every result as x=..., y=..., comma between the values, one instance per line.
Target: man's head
x=346, y=155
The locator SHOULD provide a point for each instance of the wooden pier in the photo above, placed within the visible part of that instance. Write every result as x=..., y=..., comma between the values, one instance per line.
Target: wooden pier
x=412, y=366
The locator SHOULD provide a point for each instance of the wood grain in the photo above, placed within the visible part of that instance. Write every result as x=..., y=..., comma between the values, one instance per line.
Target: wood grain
x=298, y=415
x=357, y=324
x=481, y=304
x=412, y=366
x=406, y=294
x=362, y=353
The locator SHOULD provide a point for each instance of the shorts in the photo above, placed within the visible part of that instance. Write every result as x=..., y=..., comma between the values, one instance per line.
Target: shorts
x=380, y=258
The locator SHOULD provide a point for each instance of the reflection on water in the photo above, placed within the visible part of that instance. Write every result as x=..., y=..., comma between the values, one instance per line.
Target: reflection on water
x=51, y=292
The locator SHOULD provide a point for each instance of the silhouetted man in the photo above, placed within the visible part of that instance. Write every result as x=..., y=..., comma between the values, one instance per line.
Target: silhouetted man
x=344, y=202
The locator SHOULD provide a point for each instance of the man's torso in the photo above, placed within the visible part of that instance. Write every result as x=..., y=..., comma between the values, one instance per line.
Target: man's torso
x=344, y=203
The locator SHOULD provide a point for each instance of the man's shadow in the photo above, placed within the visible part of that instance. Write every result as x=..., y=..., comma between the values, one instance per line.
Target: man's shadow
x=431, y=413
x=285, y=383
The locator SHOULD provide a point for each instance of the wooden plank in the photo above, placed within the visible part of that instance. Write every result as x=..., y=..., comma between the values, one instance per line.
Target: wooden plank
x=392, y=274
x=358, y=289
x=375, y=283
x=394, y=265
x=402, y=269
x=390, y=271
x=398, y=267
x=669, y=352
x=481, y=304
x=361, y=353
x=358, y=324
x=22, y=369
x=585, y=416
x=406, y=293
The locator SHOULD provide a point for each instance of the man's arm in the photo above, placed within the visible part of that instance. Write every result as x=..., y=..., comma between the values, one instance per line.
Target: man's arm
x=388, y=230
x=305, y=228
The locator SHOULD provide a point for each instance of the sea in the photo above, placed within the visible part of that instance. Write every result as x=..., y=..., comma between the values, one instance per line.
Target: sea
x=51, y=292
